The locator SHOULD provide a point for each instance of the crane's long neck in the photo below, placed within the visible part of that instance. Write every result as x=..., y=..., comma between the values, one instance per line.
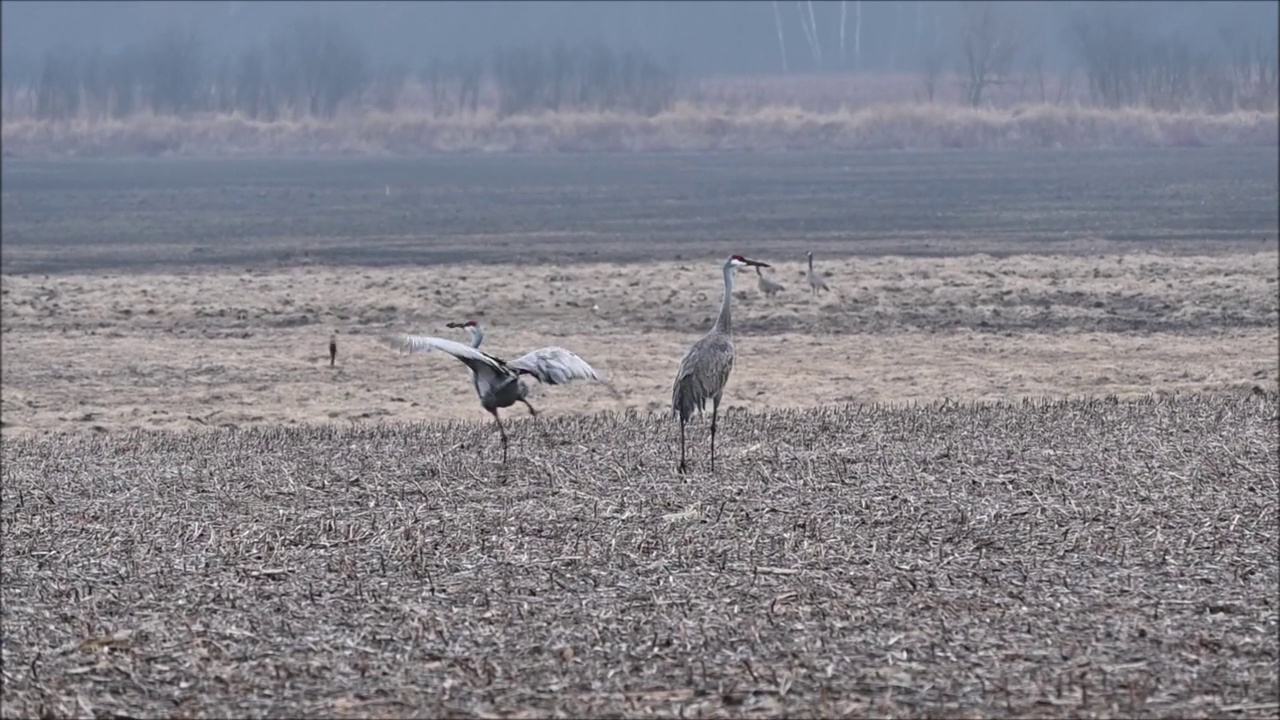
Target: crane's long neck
x=811, y=264
x=477, y=335
x=725, y=322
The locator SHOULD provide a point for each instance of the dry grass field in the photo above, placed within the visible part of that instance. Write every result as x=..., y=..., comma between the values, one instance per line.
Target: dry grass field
x=188, y=293
x=201, y=518
x=243, y=347
x=1085, y=558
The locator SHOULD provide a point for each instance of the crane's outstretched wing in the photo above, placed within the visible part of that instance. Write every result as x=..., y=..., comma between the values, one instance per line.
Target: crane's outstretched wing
x=555, y=366
x=473, y=358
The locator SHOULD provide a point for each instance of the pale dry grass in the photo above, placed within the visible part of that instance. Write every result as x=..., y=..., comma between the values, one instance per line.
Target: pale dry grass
x=687, y=127
x=250, y=347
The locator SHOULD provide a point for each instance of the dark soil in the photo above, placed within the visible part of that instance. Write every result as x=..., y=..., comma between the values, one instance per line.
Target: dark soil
x=61, y=216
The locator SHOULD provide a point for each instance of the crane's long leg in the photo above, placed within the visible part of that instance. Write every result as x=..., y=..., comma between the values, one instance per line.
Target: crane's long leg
x=682, y=466
x=502, y=433
x=715, y=412
x=538, y=426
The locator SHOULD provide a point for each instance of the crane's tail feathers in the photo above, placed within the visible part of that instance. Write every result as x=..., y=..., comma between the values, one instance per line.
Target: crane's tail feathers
x=684, y=403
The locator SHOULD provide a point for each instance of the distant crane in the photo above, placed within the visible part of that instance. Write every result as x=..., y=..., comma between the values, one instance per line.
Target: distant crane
x=498, y=382
x=333, y=349
x=705, y=369
x=815, y=283
x=767, y=286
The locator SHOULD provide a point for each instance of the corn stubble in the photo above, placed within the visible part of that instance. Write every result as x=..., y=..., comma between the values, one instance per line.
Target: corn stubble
x=1035, y=559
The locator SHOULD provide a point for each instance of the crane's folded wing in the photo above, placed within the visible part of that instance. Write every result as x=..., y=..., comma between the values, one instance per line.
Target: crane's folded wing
x=555, y=366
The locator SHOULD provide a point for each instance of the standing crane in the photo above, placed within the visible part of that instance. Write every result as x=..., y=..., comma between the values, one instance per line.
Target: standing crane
x=767, y=286
x=815, y=283
x=705, y=369
x=498, y=382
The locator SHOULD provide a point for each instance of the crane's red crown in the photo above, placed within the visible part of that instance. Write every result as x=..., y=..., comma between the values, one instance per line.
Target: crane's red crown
x=739, y=258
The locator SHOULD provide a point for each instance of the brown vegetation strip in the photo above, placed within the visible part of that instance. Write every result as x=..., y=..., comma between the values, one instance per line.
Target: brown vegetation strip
x=1036, y=560
x=684, y=128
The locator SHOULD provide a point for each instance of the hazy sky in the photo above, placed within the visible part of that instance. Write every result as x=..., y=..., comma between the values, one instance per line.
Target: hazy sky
x=705, y=37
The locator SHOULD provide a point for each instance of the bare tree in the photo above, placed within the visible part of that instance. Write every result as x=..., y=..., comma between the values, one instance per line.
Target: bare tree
x=172, y=72
x=813, y=29
x=58, y=89
x=1036, y=65
x=810, y=33
x=320, y=64
x=19, y=77
x=843, y=13
x=93, y=81
x=782, y=43
x=1108, y=45
x=857, y=35
x=470, y=72
x=989, y=47
x=1066, y=85
x=933, y=65
x=253, y=95
x=388, y=83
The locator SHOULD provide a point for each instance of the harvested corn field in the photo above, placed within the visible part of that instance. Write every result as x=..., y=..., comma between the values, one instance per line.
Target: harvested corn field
x=1060, y=559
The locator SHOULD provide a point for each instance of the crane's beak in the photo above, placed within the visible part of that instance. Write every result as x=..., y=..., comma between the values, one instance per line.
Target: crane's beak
x=454, y=325
x=757, y=263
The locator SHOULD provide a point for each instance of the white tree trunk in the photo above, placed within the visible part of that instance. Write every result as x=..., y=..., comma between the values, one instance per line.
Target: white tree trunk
x=782, y=43
x=857, y=35
x=843, y=13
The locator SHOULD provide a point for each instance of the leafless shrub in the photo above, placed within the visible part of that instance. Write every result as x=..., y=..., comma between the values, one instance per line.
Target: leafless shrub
x=171, y=72
x=586, y=77
x=455, y=85
x=253, y=93
x=318, y=65
x=933, y=64
x=1126, y=65
x=956, y=560
x=989, y=45
x=388, y=84
x=58, y=88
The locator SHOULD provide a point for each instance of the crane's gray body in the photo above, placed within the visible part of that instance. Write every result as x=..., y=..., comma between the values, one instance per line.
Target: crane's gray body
x=500, y=391
x=497, y=381
x=703, y=373
x=705, y=369
x=767, y=286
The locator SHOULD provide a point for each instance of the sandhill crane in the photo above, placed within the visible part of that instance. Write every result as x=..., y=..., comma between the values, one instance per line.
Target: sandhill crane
x=705, y=369
x=815, y=283
x=497, y=381
x=767, y=286
x=333, y=349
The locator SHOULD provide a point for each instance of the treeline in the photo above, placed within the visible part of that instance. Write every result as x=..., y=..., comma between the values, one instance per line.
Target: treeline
x=314, y=68
x=1123, y=63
